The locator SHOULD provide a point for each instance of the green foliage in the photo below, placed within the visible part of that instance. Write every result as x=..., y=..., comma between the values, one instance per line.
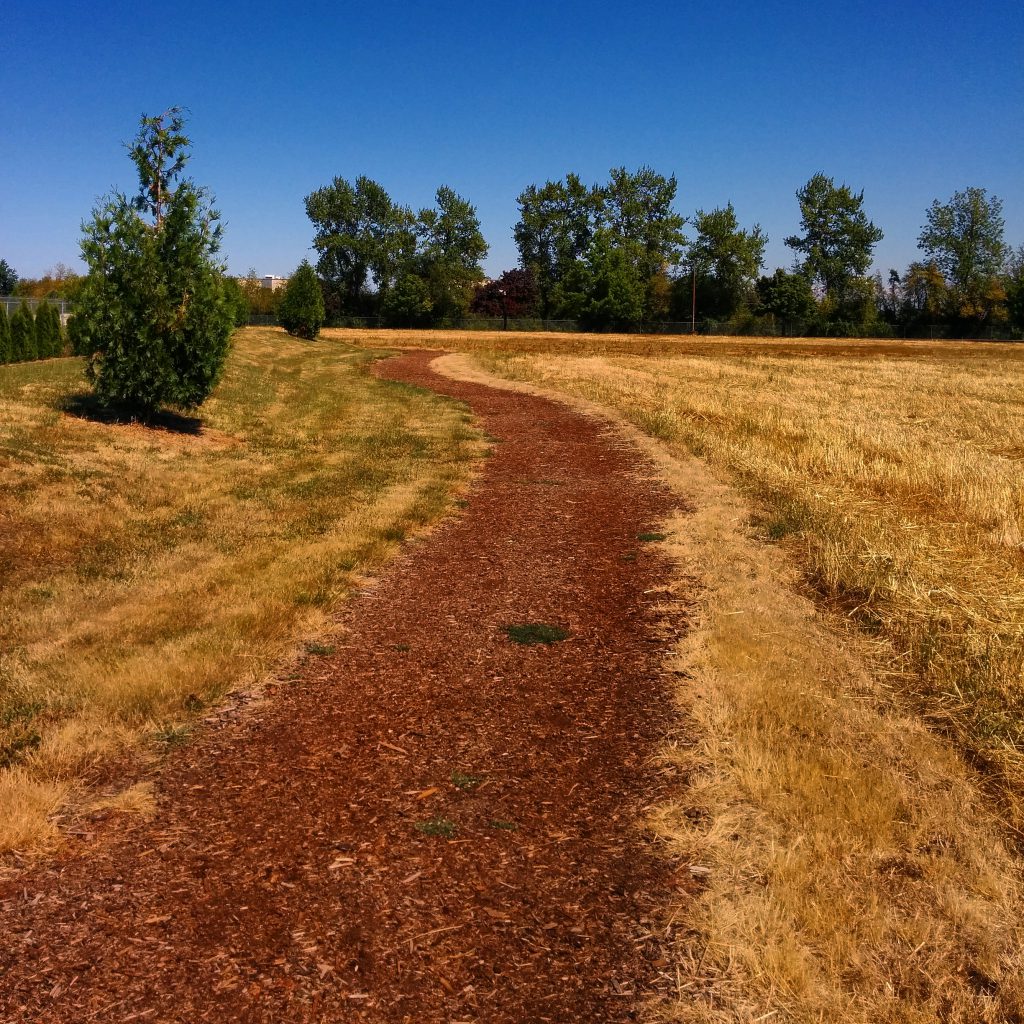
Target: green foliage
x=601, y=254
x=408, y=303
x=963, y=238
x=556, y=224
x=787, y=297
x=727, y=260
x=23, y=335
x=236, y=300
x=8, y=278
x=1015, y=288
x=49, y=339
x=530, y=633
x=5, y=337
x=636, y=211
x=449, y=255
x=361, y=236
x=152, y=314
x=431, y=258
x=838, y=239
x=302, y=309
x=617, y=289
x=567, y=234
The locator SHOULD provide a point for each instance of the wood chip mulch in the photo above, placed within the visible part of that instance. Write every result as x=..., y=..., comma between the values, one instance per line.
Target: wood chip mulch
x=430, y=824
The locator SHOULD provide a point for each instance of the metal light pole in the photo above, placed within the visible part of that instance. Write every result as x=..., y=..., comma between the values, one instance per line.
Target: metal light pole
x=504, y=310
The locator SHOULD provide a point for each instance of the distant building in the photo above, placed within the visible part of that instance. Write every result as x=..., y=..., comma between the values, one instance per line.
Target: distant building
x=273, y=283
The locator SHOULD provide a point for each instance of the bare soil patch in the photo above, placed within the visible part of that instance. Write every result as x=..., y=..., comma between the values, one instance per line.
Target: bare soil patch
x=429, y=822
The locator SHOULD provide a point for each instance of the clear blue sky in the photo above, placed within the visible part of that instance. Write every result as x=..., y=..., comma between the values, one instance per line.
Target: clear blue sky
x=742, y=101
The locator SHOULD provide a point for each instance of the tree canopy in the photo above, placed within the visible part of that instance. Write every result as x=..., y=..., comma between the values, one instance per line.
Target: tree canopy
x=727, y=260
x=838, y=240
x=368, y=245
x=601, y=252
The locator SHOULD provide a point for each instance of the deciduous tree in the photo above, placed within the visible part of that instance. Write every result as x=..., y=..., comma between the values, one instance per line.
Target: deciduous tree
x=727, y=260
x=152, y=313
x=513, y=294
x=963, y=238
x=635, y=208
x=788, y=297
x=838, y=240
x=450, y=253
x=557, y=220
x=1015, y=288
x=362, y=236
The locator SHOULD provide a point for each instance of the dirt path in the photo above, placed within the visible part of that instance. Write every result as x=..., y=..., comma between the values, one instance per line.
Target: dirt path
x=285, y=877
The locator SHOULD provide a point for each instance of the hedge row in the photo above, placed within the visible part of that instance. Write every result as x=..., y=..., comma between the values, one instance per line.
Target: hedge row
x=26, y=335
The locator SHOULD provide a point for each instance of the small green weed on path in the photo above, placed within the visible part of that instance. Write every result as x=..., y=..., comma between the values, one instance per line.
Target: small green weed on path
x=529, y=633
x=437, y=827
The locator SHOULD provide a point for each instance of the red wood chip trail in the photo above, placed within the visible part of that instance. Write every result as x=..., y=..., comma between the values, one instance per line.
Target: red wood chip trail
x=285, y=877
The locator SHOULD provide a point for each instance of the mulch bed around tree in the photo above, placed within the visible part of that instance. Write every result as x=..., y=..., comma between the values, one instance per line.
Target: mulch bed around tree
x=433, y=823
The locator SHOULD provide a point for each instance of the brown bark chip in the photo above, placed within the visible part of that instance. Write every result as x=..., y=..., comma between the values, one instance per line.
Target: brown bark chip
x=432, y=823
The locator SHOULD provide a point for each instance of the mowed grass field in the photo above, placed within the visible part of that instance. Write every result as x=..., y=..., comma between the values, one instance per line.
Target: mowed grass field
x=852, y=702
x=145, y=571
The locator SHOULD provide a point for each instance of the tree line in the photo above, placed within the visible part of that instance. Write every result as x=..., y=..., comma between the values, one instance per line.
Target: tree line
x=617, y=254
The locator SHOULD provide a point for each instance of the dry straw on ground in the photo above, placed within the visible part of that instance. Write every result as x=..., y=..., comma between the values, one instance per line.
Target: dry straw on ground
x=859, y=866
x=147, y=570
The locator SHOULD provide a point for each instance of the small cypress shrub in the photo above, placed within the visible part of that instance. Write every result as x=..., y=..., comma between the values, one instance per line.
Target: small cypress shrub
x=23, y=334
x=5, y=336
x=302, y=309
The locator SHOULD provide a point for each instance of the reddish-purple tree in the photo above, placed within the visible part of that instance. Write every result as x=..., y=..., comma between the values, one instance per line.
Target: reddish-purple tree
x=514, y=294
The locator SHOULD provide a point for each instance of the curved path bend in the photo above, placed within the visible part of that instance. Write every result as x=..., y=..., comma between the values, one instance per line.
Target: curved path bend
x=290, y=874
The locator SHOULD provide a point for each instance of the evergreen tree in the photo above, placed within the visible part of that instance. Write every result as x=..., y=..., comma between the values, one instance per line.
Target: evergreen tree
x=23, y=335
x=8, y=278
x=302, y=309
x=152, y=314
x=5, y=336
x=48, y=335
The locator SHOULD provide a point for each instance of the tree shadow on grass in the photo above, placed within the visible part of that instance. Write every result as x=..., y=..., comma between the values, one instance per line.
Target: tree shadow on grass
x=87, y=406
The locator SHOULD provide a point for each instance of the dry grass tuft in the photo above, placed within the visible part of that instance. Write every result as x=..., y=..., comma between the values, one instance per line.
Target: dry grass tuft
x=138, y=800
x=854, y=867
x=146, y=571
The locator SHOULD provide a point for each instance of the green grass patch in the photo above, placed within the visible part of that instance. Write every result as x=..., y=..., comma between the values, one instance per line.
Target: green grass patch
x=464, y=781
x=439, y=827
x=529, y=633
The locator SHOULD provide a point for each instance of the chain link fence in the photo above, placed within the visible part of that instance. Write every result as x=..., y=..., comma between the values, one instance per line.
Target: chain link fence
x=12, y=302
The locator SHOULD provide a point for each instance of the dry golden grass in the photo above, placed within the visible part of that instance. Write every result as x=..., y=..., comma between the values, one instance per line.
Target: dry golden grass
x=862, y=868
x=145, y=572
